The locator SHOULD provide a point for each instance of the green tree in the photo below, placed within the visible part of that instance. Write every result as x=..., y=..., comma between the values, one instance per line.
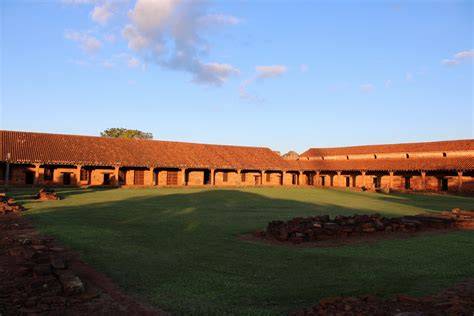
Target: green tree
x=125, y=133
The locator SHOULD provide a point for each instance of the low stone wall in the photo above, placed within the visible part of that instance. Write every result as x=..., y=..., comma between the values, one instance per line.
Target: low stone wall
x=322, y=227
x=458, y=300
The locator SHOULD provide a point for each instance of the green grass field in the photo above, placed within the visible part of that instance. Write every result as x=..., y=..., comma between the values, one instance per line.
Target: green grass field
x=179, y=248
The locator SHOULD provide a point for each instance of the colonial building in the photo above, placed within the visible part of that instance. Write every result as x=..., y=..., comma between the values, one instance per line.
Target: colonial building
x=67, y=160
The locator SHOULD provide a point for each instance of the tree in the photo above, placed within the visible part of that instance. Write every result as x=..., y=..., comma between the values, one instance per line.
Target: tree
x=125, y=133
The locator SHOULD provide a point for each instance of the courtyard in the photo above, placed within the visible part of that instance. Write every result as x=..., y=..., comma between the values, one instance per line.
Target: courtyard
x=179, y=249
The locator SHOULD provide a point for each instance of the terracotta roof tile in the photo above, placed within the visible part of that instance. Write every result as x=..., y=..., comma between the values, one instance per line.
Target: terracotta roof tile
x=28, y=147
x=441, y=146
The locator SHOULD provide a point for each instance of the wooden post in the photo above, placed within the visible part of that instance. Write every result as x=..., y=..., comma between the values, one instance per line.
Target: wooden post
x=423, y=180
x=390, y=184
x=338, y=181
x=78, y=174
x=300, y=177
x=151, y=175
x=262, y=180
x=363, y=178
x=212, y=177
x=239, y=177
x=317, y=180
x=183, y=176
x=37, y=173
x=459, y=180
x=116, y=175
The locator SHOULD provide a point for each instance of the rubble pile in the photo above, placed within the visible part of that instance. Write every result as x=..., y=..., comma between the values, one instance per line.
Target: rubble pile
x=39, y=276
x=47, y=194
x=9, y=205
x=322, y=227
x=458, y=300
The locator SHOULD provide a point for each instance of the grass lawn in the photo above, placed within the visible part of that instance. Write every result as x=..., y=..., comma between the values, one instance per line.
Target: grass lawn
x=178, y=248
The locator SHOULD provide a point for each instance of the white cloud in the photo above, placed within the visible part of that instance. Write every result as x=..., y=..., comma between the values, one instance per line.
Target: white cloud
x=122, y=59
x=219, y=19
x=261, y=73
x=168, y=32
x=270, y=71
x=459, y=58
x=133, y=62
x=367, y=87
x=86, y=42
x=246, y=95
x=214, y=73
x=103, y=12
x=136, y=41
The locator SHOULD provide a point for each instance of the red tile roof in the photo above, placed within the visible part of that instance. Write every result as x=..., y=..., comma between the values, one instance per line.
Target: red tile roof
x=28, y=147
x=442, y=146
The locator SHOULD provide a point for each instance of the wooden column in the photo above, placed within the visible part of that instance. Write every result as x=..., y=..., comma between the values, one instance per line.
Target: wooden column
x=262, y=180
x=151, y=176
x=390, y=184
x=78, y=174
x=300, y=174
x=239, y=177
x=363, y=178
x=116, y=175
x=37, y=173
x=211, y=174
x=183, y=176
x=317, y=181
x=338, y=181
x=459, y=180
x=423, y=180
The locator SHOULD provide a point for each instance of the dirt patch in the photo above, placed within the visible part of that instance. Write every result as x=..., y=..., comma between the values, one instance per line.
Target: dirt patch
x=458, y=300
x=40, y=276
x=362, y=228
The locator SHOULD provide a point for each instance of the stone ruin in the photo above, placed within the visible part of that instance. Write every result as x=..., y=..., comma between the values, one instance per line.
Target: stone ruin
x=458, y=300
x=322, y=227
x=36, y=277
x=9, y=205
x=47, y=194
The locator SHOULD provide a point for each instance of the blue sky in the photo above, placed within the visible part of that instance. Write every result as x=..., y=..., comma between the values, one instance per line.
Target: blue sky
x=281, y=74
